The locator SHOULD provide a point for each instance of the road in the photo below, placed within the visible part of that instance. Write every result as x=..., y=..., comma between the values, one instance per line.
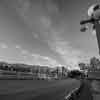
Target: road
x=36, y=90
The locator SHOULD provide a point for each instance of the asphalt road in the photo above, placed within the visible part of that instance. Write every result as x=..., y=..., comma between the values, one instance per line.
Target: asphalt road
x=36, y=90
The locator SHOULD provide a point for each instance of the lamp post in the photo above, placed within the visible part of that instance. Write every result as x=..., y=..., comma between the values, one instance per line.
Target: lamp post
x=94, y=20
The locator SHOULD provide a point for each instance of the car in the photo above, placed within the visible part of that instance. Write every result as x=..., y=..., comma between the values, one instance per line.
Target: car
x=76, y=74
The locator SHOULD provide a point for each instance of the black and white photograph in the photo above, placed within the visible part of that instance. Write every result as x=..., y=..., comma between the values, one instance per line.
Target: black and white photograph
x=49, y=49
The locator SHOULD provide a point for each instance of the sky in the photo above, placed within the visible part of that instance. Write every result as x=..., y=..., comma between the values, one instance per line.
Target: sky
x=45, y=32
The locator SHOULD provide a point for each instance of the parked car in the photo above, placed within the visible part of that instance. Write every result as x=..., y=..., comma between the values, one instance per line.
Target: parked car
x=76, y=74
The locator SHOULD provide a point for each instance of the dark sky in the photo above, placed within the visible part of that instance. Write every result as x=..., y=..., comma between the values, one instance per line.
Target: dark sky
x=45, y=32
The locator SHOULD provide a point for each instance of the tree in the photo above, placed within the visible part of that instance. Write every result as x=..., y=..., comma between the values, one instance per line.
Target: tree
x=94, y=63
x=82, y=66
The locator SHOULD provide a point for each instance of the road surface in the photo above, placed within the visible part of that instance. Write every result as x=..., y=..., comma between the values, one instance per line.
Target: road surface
x=36, y=90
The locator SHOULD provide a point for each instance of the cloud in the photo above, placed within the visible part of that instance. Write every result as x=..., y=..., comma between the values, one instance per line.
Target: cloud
x=24, y=6
x=69, y=54
x=38, y=59
x=24, y=52
x=18, y=47
x=53, y=37
x=21, y=6
x=3, y=45
x=44, y=60
x=46, y=20
x=25, y=56
x=51, y=6
x=35, y=35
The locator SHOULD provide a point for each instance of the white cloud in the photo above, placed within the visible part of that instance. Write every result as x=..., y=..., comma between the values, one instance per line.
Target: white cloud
x=24, y=52
x=18, y=47
x=58, y=44
x=37, y=59
x=51, y=35
x=67, y=53
x=45, y=22
x=44, y=60
x=3, y=45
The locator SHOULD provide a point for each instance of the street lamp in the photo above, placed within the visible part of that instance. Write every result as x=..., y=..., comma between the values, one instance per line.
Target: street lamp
x=94, y=20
